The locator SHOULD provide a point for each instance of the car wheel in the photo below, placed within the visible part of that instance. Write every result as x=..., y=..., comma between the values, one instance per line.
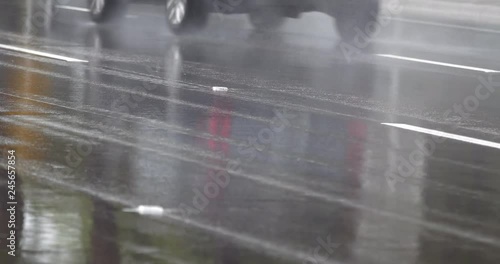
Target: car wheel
x=102, y=11
x=266, y=19
x=185, y=15
x=353, y=18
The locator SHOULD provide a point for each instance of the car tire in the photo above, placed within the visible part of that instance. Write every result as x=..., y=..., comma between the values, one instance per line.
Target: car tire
x=266, y=19
x=185, y=16
x=353, y=17
x=105, y=11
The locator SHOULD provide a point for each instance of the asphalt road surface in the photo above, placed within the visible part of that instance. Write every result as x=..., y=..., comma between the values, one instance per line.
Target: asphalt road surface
x=313, y=151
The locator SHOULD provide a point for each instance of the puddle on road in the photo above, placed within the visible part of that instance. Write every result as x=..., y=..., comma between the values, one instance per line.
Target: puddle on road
x=61, y=226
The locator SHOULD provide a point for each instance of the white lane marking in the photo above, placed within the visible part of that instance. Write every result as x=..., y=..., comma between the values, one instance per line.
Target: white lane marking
x=446, y=135
x=74, y=8
x=39, y=53
x=437, y=63
x=146, y=210
x=219, y=89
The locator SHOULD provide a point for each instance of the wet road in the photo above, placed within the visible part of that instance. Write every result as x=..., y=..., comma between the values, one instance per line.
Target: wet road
x=319, y=151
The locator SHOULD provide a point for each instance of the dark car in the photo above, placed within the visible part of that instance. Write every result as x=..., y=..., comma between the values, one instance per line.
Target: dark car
x=187, y=15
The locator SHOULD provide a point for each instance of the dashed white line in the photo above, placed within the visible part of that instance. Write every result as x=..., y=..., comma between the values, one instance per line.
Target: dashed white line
x=39, y=53
x=446, y=135
x=74, y=8
x=458, y=66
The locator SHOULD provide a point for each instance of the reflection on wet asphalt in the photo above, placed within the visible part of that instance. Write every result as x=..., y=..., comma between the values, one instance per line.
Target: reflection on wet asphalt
x=290, y=165
x=69, y=227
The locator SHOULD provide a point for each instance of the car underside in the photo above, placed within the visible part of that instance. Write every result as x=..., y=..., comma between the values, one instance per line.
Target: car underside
x=190, y=15
x=291, y=8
